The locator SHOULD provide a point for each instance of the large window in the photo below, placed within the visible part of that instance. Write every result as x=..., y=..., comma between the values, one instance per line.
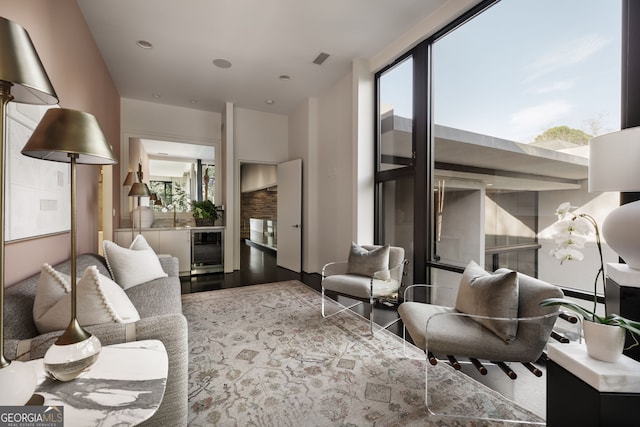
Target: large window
x=395, y=159
x=516, y=92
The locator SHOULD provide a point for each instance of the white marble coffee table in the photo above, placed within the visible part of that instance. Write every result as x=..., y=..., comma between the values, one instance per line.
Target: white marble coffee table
x=123, y=388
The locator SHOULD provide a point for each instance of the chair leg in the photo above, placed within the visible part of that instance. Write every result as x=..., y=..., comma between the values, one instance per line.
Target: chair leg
x=322, y=305
x=371, y=315
x=322, y=301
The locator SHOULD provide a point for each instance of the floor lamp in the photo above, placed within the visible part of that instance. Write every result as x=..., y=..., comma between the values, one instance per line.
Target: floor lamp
x=24, y=80
x=139, y=189
x=74, y=137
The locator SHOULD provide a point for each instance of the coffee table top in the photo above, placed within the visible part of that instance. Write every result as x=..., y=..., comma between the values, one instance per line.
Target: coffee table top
x=124, y=387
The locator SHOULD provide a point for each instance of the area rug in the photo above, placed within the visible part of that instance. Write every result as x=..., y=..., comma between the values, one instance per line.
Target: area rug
x=262, y=355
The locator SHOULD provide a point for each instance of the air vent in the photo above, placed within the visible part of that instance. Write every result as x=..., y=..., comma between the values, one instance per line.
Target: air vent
x=321, y=58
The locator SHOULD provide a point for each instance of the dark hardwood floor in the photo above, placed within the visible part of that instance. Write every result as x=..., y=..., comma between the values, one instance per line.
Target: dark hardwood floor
x=258, y=266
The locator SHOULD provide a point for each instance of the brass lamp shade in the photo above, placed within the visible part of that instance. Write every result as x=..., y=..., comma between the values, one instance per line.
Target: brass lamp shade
x=62, y=132
x=21, y=66
x=139, y=189
x=128, y=180
x=24, y=80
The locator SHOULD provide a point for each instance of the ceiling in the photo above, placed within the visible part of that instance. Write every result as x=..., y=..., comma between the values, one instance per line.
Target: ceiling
x=262, y=39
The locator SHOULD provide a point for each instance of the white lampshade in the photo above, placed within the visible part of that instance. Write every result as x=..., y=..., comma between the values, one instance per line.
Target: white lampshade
x=614, y=165
x=614, y=161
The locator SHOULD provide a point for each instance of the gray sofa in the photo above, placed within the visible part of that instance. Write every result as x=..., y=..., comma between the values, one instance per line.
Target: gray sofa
x=159, y=305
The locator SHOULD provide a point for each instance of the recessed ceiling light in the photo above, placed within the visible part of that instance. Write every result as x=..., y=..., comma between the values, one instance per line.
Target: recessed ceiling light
x=193, y=101
x=269, y=101
x=221, y=63
x=144, y=44
x=155, y=95
x=285, y=77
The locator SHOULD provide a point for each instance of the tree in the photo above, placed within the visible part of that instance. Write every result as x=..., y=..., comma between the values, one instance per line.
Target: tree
x=564, y=133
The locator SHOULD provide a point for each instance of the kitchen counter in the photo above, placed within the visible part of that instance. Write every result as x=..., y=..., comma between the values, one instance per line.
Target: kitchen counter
x=178, y=227
x=180, y=242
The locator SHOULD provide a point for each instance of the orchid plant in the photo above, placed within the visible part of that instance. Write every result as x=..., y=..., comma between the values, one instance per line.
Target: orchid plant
x=570, y=234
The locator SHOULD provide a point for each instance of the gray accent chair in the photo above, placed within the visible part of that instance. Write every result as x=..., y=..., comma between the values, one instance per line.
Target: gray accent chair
x=446, y=334
x=364, y=289
x=459, y=335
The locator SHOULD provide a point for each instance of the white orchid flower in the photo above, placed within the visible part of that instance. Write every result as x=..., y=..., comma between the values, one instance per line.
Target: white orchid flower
x=567, y=254
x=569, y=240
x=583, y=226
x=563, y=209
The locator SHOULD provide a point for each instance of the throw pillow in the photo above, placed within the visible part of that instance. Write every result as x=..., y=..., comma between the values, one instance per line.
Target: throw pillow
x=492, y=295
x=133, y=266
x=367, y=262
x=99, y=300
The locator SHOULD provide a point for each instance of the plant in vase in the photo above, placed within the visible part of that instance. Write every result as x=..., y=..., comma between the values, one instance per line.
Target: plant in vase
x=205, y=212
x=604, y=335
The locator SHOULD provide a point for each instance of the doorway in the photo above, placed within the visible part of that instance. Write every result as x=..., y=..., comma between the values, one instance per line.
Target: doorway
x=258, y=217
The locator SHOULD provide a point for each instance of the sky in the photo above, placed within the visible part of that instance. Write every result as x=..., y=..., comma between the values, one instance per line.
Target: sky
x=522, y=67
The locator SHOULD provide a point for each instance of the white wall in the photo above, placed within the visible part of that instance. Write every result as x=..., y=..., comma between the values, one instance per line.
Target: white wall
x=168, y=121
x=261, y=137
x=303, y=144
x=258, y=137
x=363, y=152
x=335, y=172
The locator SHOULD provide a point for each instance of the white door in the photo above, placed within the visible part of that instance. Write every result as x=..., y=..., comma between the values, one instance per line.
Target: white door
x=290, y=215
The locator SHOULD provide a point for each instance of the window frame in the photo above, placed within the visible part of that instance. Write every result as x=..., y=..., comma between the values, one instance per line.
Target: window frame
x=423, y=148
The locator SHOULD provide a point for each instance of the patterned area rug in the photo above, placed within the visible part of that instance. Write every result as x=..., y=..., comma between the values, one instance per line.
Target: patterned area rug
x=263, y=355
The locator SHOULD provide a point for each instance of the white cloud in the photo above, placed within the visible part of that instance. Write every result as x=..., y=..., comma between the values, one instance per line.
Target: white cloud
x=570, y=53
x=531, y=120
x=556, y=87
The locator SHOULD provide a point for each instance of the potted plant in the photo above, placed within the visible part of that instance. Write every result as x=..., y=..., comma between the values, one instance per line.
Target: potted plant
x=205, y=212
x=604, y=335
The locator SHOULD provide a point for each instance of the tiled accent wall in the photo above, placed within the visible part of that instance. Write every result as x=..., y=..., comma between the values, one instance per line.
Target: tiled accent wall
x=261, y=204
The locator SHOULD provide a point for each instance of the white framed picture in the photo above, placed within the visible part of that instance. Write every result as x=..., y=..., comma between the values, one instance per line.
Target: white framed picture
x=37, y=192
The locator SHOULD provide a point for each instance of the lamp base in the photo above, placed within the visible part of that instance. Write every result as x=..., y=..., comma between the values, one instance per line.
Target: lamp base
x=17, y=384
x=621, y=230
x=65, y=362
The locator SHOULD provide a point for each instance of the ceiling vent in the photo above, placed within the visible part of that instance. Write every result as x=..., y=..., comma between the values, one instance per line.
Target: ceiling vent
x=321, y=58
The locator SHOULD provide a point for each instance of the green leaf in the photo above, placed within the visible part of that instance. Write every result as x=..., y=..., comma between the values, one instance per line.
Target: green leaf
x=572, y=306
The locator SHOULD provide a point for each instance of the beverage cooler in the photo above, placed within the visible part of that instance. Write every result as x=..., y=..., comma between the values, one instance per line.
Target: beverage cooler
x=207, y=251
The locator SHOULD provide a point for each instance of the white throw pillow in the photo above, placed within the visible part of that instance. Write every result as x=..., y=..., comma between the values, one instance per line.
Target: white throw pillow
x=133, y=266
x=99, y=300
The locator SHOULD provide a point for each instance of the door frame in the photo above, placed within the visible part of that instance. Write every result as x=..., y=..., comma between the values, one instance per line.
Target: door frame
x=237, y=196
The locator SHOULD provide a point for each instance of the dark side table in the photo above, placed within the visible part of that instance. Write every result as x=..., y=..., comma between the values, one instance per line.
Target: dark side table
x=622, y=296
x=582, y=391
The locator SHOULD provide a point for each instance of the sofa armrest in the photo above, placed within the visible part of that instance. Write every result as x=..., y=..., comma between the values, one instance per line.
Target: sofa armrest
x=171, y=329
x=170, y=265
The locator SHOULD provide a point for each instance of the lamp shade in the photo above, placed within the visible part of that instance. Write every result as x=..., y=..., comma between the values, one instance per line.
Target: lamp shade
x=614, y=161
x=139, y=189
x=21, y=66
x=129, y=179
x=62, y=132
